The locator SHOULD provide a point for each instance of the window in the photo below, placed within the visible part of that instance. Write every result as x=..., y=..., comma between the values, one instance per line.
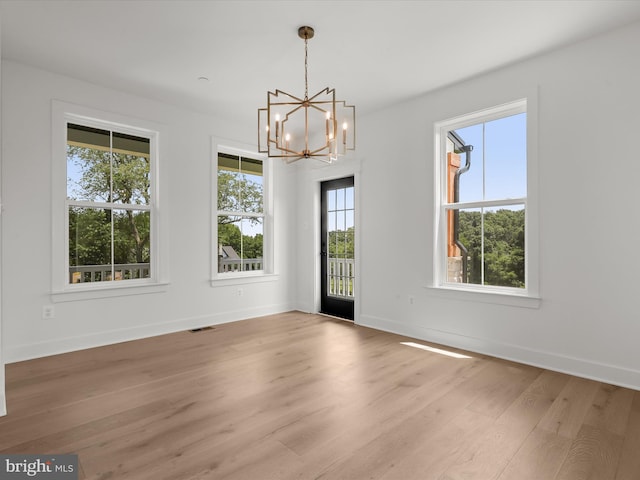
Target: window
x=105, y=232
x=482, y=217
x=241, y=190
x=109, y=203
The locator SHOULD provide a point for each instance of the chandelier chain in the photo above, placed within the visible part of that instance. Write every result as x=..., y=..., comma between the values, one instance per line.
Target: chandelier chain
x=306, y=82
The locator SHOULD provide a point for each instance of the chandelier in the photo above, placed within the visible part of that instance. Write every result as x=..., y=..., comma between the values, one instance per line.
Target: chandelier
x=319, y=127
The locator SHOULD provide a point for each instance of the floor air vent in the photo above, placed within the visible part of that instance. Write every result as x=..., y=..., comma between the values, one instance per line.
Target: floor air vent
x=201, y=329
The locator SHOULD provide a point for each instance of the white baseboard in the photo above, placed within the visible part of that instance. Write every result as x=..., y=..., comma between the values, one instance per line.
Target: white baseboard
x=615, y=375
x=3, y=406
x=18, y=353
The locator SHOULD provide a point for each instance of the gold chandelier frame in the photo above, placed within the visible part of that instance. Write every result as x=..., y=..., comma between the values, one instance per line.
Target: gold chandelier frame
x=318, y=127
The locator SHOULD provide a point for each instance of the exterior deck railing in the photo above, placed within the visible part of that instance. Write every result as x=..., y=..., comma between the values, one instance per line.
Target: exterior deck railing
x=341, y=274
x=105, y=273
x=239, y=265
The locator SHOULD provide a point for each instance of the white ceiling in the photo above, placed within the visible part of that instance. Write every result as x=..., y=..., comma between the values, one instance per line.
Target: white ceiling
x=373, y=53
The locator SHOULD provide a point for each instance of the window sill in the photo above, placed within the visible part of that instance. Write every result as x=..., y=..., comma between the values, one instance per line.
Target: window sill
x=496, y=297
x=106, y=291
x=243, y=278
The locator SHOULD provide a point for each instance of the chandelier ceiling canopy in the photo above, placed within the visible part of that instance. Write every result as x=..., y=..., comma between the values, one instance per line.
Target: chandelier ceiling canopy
x=319, y=127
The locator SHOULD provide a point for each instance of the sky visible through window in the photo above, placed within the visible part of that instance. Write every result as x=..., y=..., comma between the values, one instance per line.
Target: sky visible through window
x=498, y=160
x=248, y=227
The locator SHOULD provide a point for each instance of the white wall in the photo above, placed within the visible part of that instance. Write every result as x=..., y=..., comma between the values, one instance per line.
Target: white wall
x=587, y=322
x=3, y=404
x=189, y=301
x=588, y=123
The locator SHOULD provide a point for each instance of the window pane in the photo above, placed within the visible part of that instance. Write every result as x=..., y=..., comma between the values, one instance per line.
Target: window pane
x=240, y=192
x=229, y=182
x=464, y=246
x=506, y=157
x=88, y=164
x=104, y=166
x=89, y=244
x=504, y=246
x=485, y=164
x=252, y=185
x=131, y=169
x=252, y=247
x=229, y=243
x=240, y=243
x=132, y=244
x=489, y=237
x=470, y=182
x=131, y=145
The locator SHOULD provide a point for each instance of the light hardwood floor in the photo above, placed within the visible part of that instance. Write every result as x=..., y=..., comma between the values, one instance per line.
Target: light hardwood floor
x=299, y=396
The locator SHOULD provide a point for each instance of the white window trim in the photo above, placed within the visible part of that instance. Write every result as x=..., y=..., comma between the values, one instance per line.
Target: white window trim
x=529, y=296
x=268, y=273
x=61, y=289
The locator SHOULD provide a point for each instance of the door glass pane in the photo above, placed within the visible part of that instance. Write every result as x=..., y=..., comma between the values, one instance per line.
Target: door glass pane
x=349, y=219
x=349, y=198
x=340, y=194
x=340, y=220
x=331, y=197
x=331, y=221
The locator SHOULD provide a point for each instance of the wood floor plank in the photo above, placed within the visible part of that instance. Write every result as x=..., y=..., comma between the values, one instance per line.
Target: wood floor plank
x=439, y=449
x=494, y=448
x=542, y=453
x=610, y=409
x=302, y=396
x=389, y=445
x=594, y=454
x=510, y=381
x=629, y=466
x=540, y=457
x=566, y=416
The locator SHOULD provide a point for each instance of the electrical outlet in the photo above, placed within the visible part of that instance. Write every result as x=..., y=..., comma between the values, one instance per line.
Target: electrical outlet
x=240, y=292
x=48, y=311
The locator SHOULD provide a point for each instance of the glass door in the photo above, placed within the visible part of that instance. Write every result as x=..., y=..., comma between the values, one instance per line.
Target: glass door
x=337, y=230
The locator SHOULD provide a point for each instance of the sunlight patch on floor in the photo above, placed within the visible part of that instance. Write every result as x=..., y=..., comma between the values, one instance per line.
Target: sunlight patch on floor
x=434, y=350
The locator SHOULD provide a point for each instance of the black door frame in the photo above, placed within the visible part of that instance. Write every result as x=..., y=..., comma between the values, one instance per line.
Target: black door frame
x=329, y=305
